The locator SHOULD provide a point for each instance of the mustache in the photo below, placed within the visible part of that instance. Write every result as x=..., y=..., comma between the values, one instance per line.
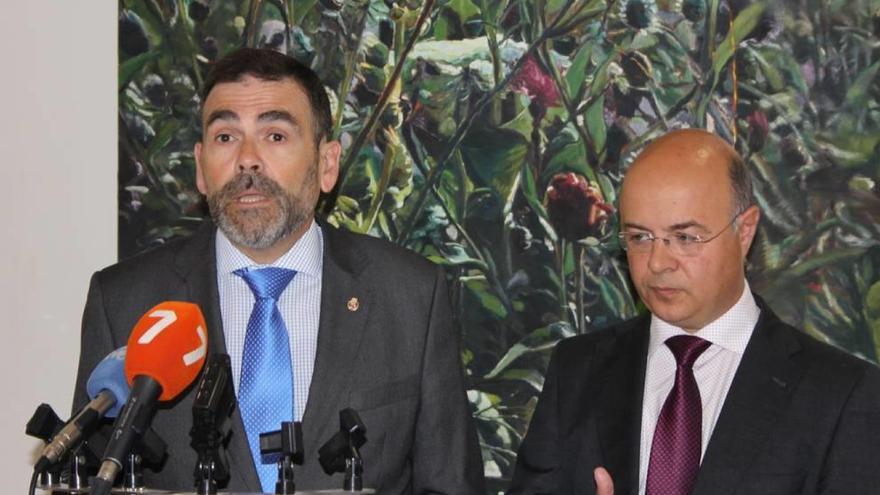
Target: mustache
x=250, y=180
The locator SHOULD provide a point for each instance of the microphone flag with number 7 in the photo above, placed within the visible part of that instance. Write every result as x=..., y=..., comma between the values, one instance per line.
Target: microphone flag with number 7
x=169, y=344
x=166, y=351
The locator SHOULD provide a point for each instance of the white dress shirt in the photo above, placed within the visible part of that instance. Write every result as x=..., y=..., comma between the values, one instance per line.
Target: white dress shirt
x=299, y=304
x=713, y=370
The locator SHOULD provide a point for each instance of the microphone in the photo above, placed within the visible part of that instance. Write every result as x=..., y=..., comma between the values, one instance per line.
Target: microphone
x=212, y=409
x=108, y=390
x=341, y=453
x=166, y=351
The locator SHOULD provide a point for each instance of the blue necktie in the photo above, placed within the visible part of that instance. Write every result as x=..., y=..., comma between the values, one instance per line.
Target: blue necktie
x=265, y=392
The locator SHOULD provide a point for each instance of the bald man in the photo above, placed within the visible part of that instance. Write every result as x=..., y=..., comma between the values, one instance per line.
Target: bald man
x=710, y=393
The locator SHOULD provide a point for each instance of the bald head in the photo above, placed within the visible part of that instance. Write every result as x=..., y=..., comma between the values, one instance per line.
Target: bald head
x=688, y=186
x=685, y=150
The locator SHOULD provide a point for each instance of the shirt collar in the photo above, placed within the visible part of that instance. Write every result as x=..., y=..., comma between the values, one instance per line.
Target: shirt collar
x=732, y=330
x=305, y=256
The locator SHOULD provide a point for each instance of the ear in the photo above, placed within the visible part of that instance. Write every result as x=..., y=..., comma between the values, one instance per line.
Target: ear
x=200, y=176
x=747, y=226
x=329, y=153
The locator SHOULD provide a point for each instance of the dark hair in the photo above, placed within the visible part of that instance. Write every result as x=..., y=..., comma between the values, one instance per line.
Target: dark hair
x=269, y=65
x=740, y=183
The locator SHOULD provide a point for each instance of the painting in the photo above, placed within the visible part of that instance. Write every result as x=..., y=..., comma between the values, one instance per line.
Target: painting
x=491, y=137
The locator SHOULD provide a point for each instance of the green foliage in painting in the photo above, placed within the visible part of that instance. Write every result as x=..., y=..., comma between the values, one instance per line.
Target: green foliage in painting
x=492, y=136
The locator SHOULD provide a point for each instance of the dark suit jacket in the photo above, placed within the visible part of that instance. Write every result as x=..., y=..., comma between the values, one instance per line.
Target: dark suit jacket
x=395, y=360
x=800, y=418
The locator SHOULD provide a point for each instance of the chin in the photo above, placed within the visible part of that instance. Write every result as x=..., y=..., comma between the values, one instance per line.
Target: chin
x=673, y=316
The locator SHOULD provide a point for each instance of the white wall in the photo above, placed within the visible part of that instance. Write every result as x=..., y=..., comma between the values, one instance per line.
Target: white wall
x=58, y=170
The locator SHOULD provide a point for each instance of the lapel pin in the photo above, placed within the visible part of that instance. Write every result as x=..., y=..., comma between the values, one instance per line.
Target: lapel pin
x=353, y=304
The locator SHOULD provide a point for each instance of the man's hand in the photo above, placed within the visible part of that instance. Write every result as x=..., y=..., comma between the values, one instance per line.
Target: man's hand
x=604, y=483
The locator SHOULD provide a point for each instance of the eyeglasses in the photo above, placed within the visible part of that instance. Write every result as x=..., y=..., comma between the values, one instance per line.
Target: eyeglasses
x=679, y=243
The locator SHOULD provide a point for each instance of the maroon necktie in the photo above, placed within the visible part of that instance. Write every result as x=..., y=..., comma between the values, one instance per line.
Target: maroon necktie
x=675, y=452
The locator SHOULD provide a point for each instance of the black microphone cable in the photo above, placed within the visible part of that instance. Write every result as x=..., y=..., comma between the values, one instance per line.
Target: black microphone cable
x=34, y=478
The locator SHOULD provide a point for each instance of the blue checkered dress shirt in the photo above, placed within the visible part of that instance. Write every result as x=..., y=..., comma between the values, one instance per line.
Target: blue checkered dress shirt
x=300, y=306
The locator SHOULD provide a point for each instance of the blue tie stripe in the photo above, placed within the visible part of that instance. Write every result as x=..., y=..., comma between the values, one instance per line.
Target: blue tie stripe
x=266, y=384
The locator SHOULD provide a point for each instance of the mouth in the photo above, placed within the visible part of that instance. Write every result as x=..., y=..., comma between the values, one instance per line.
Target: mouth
x=664, y=292
x=251, y=198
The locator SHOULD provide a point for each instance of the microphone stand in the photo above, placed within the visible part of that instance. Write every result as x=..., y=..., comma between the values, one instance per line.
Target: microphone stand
x=78, y=479
x=342, y=452
x=132, y=472
x=354, y=471
x=351, y=423
x=149, y=449
x=212, y=409
x=288, y=443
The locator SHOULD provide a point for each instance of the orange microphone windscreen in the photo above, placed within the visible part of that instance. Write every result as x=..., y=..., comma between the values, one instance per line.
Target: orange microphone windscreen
x=168, y=344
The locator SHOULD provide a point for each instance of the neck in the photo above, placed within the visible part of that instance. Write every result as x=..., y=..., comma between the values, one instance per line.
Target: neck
x=265, y=256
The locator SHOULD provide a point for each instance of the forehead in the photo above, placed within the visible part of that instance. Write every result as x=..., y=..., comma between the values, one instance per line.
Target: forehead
x=677, y=185
x=249, y=97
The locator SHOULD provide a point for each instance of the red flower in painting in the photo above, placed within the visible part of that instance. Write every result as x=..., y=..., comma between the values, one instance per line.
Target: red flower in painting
x=759, y=128
x=537, y=84
x=575, y=207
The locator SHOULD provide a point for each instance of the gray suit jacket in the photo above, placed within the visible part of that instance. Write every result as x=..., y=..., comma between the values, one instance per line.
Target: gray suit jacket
x=395, y=360
x=800, y=418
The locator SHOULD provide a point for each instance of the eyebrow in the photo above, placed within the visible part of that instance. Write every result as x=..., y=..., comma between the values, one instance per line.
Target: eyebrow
x=216, y=115
x=686, y=225
x=269, y=116
x=678, y=226
x=278, y=115
x=630, y=225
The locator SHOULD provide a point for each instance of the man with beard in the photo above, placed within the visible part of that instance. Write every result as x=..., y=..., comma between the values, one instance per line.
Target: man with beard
x=709, y=393
x=357, y=322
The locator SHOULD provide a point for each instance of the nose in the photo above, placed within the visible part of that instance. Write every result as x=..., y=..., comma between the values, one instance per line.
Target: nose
x=660, y=259
x=249, y=157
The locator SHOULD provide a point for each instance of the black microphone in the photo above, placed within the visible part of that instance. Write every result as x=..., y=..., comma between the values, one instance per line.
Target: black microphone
x=166, y=351
x=44, y=424
x=212, y=412
x=342, y=452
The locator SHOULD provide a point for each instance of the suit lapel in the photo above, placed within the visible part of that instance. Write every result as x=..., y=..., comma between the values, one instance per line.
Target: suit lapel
x=196, y=263
x=345, y=305
x=622, y=374
x=759, y=393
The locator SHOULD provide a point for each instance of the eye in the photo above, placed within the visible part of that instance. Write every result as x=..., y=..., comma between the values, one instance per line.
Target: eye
x=223, y=138
x=639, y=237
x=685, y=239
x=277, y=137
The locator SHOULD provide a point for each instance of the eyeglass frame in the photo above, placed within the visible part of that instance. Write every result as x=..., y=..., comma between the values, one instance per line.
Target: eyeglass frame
x=696, y=241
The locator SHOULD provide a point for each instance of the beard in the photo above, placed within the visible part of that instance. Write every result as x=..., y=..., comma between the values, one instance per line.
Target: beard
x=261, y=228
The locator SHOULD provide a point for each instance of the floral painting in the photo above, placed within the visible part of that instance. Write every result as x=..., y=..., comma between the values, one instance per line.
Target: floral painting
x=492, y=136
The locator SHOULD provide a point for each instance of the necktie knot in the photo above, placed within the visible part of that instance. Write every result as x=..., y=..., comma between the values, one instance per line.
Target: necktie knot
x=266, y=283
x=686, y=349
